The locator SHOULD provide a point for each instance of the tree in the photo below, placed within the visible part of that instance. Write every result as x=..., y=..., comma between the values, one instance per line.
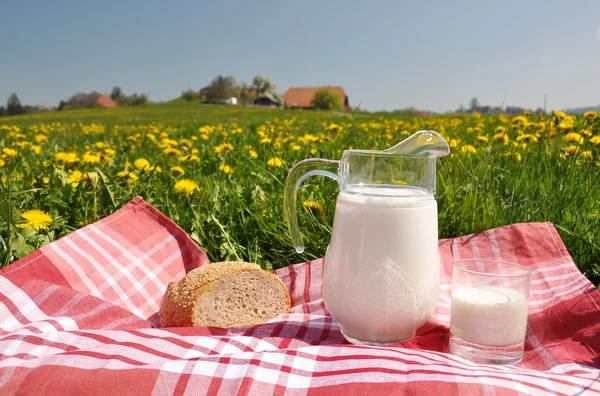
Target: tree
x=61, y=105
x=82, y=100
x=262, y=85
x=13, y=105
x=327, y=99
x=474, y=104
x=189, y=95
x=3, y=111
x=219, y=89
x=116, y=93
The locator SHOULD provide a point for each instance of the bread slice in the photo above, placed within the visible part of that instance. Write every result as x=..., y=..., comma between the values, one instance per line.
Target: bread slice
x=226, y=294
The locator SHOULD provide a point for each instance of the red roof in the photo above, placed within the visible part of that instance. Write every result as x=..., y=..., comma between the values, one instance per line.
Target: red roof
x=301, y=97
x=105, y=101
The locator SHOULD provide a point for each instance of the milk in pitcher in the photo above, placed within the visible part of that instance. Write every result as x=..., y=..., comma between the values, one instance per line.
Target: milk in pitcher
x=381, y=277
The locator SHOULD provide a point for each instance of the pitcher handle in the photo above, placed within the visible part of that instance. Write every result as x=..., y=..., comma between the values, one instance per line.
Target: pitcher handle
x=300, y=172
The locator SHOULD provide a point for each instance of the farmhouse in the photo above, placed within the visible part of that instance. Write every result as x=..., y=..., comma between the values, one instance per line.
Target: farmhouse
x=266, y=99
x=301, y=98
x=105, y=101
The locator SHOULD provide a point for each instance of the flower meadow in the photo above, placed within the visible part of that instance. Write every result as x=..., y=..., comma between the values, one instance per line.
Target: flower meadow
x=219, y=172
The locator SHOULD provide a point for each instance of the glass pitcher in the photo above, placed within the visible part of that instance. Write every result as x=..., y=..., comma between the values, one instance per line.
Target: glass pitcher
x=382, y=272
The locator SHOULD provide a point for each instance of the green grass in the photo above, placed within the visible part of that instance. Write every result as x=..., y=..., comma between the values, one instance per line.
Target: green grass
x=239, y=215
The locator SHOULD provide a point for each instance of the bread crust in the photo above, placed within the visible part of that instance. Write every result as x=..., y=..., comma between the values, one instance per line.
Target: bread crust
x=177, y=305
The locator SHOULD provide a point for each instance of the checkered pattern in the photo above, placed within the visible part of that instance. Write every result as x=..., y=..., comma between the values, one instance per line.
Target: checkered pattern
x=79, y=316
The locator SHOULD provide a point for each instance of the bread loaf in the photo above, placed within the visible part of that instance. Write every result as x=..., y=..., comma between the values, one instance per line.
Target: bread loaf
x=227, y=294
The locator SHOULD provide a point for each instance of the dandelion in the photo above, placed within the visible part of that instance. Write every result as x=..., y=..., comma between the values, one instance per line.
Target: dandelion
x=89, y=158
x=314, y=207
x=2, y=163
x=189, y=157
x=591, y=115
x=587, y=155
x=41, y=138
x=186, y=187
x=266, y=140
x=567, y=123
x=574, y=137
x=177, y=171
x=46, y=180
x=171, y=151
x=468, y=149
x=595, y=140
x=132, y=178
x=572, y=149
x=8, y=152
x=226, y=168
x=36, y=220
x=253, y=154
x=141, y=163
x=74, y=178
x=527, y=137
x=399, y=182
x=275, y=162
x=334, y=127
x=483, y=139
x=500, y=137
x=296, y=147
x=91, y=178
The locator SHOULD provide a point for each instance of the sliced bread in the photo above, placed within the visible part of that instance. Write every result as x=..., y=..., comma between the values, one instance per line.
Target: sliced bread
x=226, y=294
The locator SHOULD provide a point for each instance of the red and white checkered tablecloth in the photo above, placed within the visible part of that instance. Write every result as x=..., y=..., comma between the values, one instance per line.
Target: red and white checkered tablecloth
x=79, y=316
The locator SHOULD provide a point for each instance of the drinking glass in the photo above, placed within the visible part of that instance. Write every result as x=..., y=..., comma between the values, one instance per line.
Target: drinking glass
x=488, y=317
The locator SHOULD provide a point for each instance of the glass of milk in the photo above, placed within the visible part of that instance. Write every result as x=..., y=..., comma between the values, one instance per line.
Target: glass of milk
x=490, y=303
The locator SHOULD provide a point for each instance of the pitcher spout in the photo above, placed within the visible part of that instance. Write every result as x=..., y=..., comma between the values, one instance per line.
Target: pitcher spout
x=421, y=144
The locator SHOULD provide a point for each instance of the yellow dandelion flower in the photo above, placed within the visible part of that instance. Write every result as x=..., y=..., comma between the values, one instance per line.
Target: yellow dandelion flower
x=574, y=137
x=171, y=151
x=189, y=157
x=334, y=127
x=141, y=163
x=186, y=187
x=501, y=137
x=90, y=158
x=100, y=145
x=266, y=140
x=572, y=149
x=591, y=115
x=204, y=136
x=399, y=182
x=595, y=140
x=296, y=147
x=36, y=219
x=74, y=178
x=527, y=137
x=314, y=207
x=2, y=163
x=46, y=180
x=8, y=152
x=226, y=168
x=483, y=139
x=468, y=149
x=587, y=132
x=35, y=149
x=275, y=162
x=227, y=147
x=587, y=154
x=500, y=129
x=177, y=170
x=41, y=138
x=186, y=143
x=253, y=154
x=132, y=177
x=567, y=123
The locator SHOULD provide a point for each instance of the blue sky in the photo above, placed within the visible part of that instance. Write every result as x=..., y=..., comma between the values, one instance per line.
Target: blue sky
x=434, y=55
